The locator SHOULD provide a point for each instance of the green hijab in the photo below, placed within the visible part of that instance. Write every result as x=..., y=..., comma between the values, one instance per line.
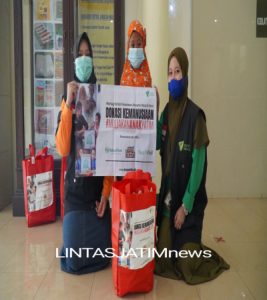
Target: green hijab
x=176, y=108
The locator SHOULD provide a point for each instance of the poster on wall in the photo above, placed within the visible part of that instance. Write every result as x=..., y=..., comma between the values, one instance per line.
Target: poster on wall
x=115, y=130
x=261, y=21
x=59, y=36
x=59, y=65
x=43, y=36
x=44, y=121
x=45, y=128
x=42, y=10
x=44, y=93
x=47, y=32
x=44, y=65
x=58, y=10
x=97, y=19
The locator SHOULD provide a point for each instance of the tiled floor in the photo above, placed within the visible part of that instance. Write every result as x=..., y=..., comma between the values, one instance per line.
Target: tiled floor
x=29, y=268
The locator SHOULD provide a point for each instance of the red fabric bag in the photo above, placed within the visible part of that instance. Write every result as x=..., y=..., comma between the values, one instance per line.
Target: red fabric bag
x=62, y=183
x=133, y=226
x=38, y=184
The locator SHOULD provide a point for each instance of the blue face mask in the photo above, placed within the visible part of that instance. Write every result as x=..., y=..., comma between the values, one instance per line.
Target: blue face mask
x=83, y=67
x=177, y=87
x=136, y=56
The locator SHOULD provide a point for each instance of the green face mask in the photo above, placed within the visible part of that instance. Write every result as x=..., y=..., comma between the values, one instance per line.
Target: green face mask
x=83, y=67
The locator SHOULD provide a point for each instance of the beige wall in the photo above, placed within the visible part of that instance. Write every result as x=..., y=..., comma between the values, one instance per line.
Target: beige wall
x=229, y=80
x=6, y=124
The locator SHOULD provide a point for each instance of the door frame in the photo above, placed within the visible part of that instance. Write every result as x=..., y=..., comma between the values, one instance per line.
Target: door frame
x=68, y=41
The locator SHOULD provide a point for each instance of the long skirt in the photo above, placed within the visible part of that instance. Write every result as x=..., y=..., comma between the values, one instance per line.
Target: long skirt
x=193, y=270
x=85, y=239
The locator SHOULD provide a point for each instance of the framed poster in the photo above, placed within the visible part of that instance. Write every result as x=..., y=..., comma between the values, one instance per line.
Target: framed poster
x=58, y=65
x=43, y=36
x=44, y=121
x=42, y=10
x=97, y=19
x=44, y=93
x=44, y=65
x=58, y=10
x=59, y=36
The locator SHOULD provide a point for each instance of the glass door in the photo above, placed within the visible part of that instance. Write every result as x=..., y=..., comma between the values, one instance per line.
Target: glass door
x=47, y=55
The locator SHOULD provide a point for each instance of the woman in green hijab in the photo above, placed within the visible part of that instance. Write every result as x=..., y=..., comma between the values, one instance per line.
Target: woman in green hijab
x=182, y=139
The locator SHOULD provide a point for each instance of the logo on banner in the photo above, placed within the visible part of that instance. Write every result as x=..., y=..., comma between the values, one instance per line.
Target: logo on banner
x=145, y=152
x=149, y=94
x=112, y=150
x=130, y=152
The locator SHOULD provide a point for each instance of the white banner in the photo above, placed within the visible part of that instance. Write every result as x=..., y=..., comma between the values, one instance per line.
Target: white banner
x=115, y=130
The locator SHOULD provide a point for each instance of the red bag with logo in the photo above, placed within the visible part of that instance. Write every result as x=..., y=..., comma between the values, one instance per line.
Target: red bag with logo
x=62, y=183
x=38, y=184
x=133, y=227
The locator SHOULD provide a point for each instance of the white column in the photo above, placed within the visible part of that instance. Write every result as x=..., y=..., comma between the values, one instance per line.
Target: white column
x=168, y=25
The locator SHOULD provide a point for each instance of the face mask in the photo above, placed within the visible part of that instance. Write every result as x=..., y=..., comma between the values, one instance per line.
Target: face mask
x=136, y=57
x=177, y=87
x=83, y=67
